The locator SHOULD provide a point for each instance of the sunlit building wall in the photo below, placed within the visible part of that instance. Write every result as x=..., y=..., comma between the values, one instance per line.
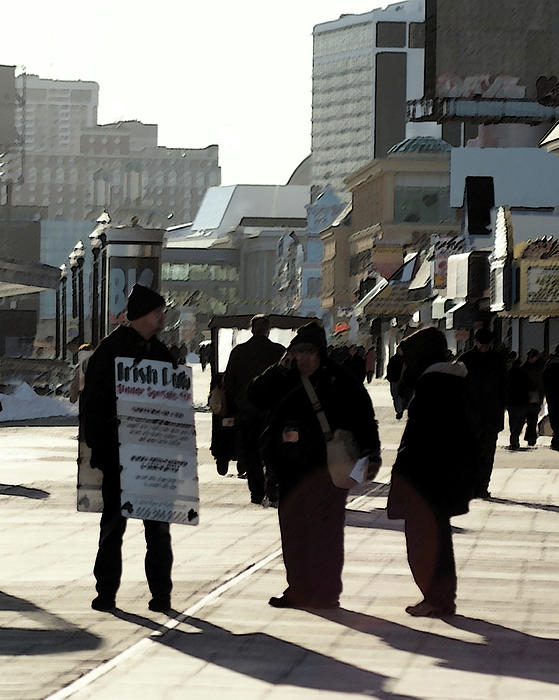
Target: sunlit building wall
x=365, y=67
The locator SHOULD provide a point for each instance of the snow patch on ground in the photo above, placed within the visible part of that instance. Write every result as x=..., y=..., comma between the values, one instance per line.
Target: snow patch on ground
x=24, y=404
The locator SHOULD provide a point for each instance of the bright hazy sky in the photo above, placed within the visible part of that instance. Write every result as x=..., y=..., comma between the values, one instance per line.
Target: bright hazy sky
x=236, y=73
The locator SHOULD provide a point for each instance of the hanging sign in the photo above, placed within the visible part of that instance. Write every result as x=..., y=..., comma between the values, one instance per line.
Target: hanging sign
x=159, y=479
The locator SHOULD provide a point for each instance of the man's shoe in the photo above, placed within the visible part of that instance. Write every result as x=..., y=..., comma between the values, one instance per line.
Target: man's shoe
x=513, y=447
x=284, y=601
x=159, y=604
x=425, y=609
x=399, y=415
x=103, y=603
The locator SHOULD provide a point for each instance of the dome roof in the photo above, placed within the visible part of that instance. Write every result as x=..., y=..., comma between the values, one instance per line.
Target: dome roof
x=421, y=144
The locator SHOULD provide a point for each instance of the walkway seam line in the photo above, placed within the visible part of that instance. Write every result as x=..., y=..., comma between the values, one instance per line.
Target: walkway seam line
x=107, y=666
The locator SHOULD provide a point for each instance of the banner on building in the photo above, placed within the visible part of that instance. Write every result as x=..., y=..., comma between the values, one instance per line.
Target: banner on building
x=159, y=479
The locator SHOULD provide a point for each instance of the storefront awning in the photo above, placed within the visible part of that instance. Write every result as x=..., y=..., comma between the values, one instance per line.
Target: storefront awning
x=438, y=309
x=465, y=314
x=17, y=277
x=393, y=300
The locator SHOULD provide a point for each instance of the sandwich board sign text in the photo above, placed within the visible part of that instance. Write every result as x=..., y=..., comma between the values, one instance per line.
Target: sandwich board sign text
x=159, y=478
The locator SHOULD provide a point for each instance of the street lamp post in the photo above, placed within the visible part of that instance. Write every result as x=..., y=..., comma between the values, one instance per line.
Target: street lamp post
x=95, y=249
x=76, y=259
x=57, y=322
x=63, y=280
x=98, y=241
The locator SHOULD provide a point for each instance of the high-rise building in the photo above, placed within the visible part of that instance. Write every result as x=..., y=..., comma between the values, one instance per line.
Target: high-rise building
x=365, y=68
x=55, y=111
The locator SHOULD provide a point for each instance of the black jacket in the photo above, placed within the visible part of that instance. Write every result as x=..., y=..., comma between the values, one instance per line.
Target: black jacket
x=246, y=361
x=487, y=379
x=346, y=404
x=438, y=455
x=551, y=381
x=394, y=368
x=99, y=395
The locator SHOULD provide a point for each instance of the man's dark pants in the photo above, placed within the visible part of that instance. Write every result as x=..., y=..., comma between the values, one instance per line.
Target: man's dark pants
x=517, y=418
x=250, y=424
x=108, y=564
x=487, y=447
x=553, y=410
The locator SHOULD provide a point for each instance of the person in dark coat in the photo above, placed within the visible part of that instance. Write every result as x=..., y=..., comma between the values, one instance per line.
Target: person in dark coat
x=550, y=379
x=370, y=362
x=246, y=361
x=398, y=391
x=355, y=362
x=433, y=475
x=533, y=369
x=487, y=377
x=146, y=315
x=518, y=390
x=311, y=509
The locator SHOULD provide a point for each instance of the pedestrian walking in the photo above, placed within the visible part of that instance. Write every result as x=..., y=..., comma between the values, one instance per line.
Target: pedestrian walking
x=355, y=362
x=311, y=509
x=487, y=377
x=518, y=390
x=550, y=379
x=398, y=389
x=146, y=315
x=246, y=361
x=433, y=475
x=85, y=351
x=533, y=368
x=370, y=361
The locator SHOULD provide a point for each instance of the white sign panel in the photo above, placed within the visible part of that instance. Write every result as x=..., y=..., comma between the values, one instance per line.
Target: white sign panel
x=159, y=479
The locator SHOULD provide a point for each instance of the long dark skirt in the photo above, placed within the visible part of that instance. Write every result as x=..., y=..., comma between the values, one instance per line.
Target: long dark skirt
x=311, y=517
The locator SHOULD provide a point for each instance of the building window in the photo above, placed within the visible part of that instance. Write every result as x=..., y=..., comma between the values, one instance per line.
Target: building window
x=426, y=205
x=314, y=285
x=391, y=34
x=416, y=35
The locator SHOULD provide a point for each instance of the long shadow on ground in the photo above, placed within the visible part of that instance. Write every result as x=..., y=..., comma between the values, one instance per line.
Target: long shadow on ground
x=502, y=650
x=47, y=633
x=269, y=659
x=26, y=492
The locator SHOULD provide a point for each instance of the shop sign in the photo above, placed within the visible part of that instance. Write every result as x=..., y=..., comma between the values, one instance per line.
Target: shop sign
x=543, y=285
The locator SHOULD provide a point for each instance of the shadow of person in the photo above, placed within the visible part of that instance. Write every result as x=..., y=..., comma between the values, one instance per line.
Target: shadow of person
x=377, y=519
x=525, y=504
x=18, y=490
x=48, y=633
x=502, y=650
x=374, y=519
x=267, y=658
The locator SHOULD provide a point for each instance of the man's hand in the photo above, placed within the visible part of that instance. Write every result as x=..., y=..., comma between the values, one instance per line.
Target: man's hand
x=287, y=360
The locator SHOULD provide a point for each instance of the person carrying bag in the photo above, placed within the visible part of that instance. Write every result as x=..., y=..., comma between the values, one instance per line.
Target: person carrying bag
x=345, y=465
x=311, y=508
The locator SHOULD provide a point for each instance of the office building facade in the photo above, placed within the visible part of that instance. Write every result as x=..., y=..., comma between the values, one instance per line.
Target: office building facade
x=365, y=68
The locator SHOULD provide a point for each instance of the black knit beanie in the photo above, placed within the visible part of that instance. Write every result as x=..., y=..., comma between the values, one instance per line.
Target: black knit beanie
x=141, y=301
x=310, y=334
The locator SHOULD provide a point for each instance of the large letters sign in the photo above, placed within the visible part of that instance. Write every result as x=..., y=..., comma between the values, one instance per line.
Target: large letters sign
x=123, y=275
x=159, y=479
